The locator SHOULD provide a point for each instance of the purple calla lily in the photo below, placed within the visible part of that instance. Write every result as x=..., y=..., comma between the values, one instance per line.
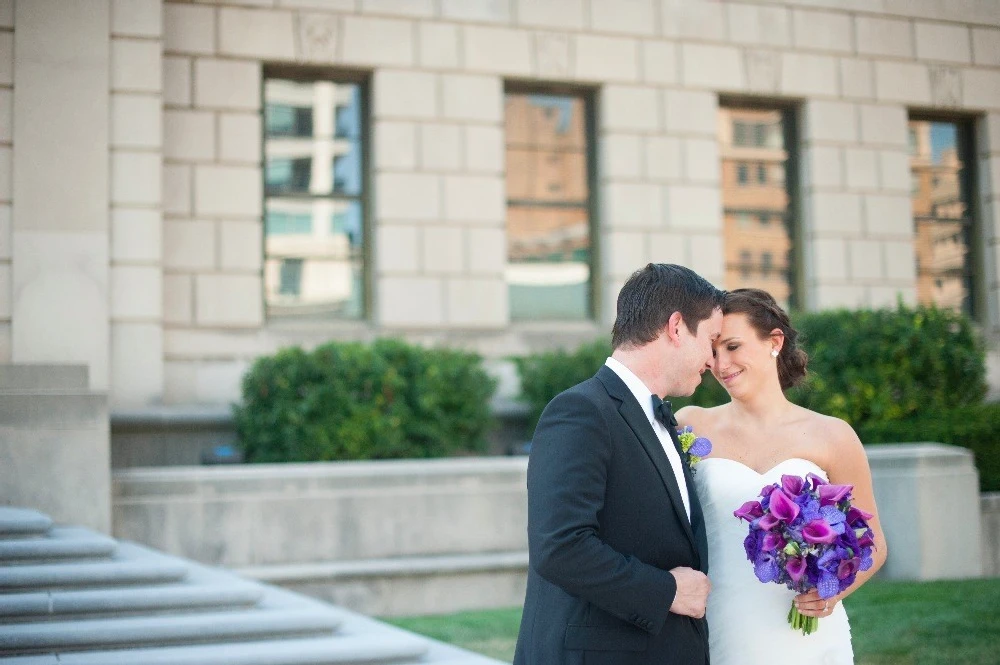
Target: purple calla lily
x=796, y=567
x=818, y=531
x=848, y=568
x=749, y=511
x=792, y=484
x=768, y=522
x=782, y=507
x=833, y=494
x=772, y=541
x=855, y=514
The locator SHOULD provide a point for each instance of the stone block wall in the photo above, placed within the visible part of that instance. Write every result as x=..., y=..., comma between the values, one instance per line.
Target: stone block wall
x=176, y=311
x=6, y=176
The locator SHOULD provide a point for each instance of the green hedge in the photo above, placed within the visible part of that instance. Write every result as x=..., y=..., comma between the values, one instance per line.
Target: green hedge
x=974, y=427
x=889, y=364
x=544, y=375
x=864, y=366
x=351, y=401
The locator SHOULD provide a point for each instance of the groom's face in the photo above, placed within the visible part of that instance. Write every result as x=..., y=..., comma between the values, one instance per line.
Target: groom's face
x=697, y=351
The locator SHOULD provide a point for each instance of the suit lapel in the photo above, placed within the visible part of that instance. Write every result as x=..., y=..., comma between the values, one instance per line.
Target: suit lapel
x=637, y=421
x=697, y=516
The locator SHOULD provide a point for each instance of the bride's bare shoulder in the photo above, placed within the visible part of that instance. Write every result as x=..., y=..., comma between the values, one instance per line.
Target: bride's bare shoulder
x=834, y=434
x=697, y=416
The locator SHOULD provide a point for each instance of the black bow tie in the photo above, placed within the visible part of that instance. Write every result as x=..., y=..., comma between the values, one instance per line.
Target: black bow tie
x=664, y=413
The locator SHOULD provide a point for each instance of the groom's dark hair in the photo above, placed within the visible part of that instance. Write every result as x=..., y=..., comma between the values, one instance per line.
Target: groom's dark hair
x=651, y=295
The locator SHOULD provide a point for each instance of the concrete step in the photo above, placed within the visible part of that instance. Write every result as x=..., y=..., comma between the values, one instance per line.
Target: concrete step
x=337, y=650
x=60, y=605
x=60, y=543
x=23, y=523
x=42, y=377
x=254, y=624
x=130, y=566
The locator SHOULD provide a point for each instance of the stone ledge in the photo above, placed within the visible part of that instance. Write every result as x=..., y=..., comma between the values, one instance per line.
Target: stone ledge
x=61, y=543
x=118, y=601
x=159, y=630
x=130, y=566
x=349, y=650
x=379, y=568
x=23, y=522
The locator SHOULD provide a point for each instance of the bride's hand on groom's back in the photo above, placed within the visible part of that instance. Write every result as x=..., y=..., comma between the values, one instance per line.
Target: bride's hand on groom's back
x=692, y=592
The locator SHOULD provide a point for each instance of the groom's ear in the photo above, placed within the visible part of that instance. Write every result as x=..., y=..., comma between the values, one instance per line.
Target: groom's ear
x=673, y=328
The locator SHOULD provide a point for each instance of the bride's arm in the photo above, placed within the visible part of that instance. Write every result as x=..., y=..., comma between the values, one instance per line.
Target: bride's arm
x=848, y=465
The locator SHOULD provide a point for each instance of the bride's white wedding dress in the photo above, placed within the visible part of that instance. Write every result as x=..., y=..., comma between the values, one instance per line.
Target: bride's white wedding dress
x=748, y=620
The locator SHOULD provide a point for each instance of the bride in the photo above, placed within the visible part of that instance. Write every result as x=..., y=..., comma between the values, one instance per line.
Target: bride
x=756, y=438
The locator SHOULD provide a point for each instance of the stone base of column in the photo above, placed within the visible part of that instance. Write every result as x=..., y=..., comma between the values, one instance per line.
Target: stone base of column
x=54, y=444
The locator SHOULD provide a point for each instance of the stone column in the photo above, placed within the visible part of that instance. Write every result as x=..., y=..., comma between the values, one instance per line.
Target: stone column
x=136, y=219
x=60, y=308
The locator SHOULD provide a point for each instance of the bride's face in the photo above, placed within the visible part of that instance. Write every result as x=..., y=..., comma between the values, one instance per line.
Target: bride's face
x=741, y=360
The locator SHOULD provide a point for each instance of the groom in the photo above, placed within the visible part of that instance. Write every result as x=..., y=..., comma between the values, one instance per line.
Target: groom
x=616, y=540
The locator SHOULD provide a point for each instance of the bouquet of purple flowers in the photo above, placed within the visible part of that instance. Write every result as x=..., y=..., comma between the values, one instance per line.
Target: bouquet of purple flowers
x=805, y=534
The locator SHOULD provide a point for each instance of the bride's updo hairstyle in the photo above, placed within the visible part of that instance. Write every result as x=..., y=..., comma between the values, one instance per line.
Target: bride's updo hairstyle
x=764, y=315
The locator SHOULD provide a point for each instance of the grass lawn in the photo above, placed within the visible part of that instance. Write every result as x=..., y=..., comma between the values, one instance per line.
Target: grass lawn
x=893, y=623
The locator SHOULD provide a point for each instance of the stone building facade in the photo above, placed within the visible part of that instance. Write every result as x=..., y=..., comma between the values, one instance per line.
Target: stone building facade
x=169, y=210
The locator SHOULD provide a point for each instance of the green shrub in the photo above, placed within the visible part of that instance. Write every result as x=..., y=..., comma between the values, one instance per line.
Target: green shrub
x=544, y=375
x=888, y=364
x=864, y=366
x=974, y=427
x=350, y=401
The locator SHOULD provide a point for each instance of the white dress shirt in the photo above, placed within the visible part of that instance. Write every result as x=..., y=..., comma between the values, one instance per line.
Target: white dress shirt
x=644, y=396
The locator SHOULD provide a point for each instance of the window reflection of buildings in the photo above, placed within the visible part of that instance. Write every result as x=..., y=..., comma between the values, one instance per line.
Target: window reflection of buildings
x=548, y=229
x=755, y=200
x=941, y=214
x=313, y=244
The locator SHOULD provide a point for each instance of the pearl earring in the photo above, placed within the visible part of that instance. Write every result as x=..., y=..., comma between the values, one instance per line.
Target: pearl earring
x=774, y=353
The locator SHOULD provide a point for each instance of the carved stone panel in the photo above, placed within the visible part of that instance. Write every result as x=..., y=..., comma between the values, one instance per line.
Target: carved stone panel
x=318, y=38
x=946, y=86
x=552, y=55
x=763, y=70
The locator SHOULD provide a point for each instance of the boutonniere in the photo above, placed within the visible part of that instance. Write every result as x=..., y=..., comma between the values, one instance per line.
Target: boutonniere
x=693, y=448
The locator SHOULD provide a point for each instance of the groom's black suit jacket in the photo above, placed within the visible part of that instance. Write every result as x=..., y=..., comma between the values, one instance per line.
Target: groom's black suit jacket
x=605, y=525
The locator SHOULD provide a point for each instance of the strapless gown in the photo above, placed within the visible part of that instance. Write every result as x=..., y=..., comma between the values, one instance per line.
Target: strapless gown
x=748, y=620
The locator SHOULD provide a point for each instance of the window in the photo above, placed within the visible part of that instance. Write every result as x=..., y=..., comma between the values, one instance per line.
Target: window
x=758, y=184
x=549, y=203
x=765, y=264
x=760, y=134
x=314, y=197
x=746, y=264
x=941, y=162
